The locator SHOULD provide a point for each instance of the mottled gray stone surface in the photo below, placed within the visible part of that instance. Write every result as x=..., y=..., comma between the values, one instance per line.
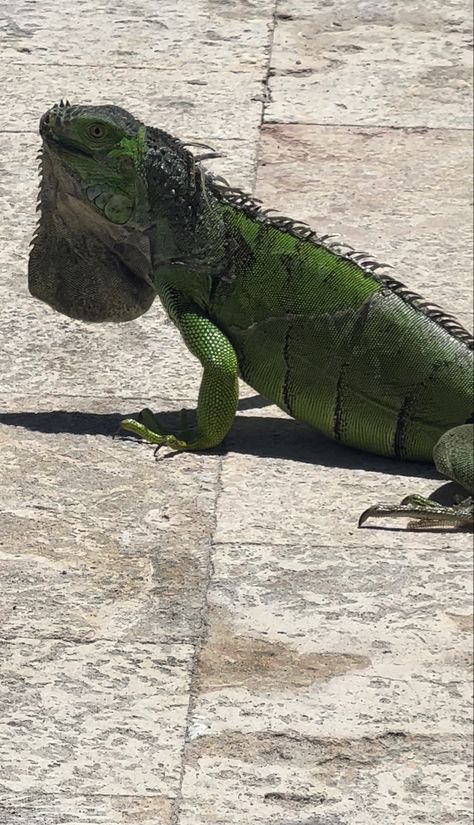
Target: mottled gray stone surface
x=104, y=541
x=403, y=64
x=334, y=687
x=208, y=639
x=208, y=34
x=58, y=809
x=188, y=102
x=296, y=631
x=310, y=489
x=103, y=716
x=286, y=779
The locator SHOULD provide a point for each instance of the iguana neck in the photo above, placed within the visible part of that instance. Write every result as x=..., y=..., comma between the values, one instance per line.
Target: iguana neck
x=185, y=220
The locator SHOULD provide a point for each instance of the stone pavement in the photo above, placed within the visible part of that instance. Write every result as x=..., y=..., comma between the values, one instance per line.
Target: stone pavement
x=209, y=640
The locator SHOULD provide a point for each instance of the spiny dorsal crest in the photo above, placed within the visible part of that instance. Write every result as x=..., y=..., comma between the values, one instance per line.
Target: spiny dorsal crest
x=252, y=207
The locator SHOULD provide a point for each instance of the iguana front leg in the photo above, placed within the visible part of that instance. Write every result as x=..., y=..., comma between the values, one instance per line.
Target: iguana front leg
x=218, y=394
x=453, y=456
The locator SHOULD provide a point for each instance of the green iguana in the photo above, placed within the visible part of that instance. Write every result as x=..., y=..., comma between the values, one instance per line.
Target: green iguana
x=127, y=214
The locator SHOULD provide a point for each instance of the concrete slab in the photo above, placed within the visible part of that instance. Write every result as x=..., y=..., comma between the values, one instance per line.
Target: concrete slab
x=445, y=14
x=378, y=64
x=143, y=359
x=324, y=622
x=276, y=779
x=99, y=540
x=284, y=483
x=333, y=684
x=171, y=35
x=104, y=717
x=86, y=810
x=189, y=103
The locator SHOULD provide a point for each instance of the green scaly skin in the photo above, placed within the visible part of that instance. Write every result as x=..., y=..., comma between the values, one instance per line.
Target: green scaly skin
x=128, y=214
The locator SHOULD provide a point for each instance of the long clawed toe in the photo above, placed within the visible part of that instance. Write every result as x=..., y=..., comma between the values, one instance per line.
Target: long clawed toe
x=424, y=513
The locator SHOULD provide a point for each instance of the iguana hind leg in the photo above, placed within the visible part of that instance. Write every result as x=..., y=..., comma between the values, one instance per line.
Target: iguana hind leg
x=453, y=456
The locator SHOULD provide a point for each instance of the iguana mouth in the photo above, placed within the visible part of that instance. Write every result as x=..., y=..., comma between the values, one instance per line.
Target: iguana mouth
x=71, y=149
x=65, y=146
x=47, y=124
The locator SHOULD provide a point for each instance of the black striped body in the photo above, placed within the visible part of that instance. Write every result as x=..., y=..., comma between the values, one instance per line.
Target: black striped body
x=338, y=349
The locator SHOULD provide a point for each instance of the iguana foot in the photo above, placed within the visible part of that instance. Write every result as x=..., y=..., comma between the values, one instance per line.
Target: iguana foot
x=148, y=427
x=425, y=512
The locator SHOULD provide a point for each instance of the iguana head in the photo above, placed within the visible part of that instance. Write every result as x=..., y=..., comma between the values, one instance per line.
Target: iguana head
x=117, y=200
x=96, y=154
x=91, y=256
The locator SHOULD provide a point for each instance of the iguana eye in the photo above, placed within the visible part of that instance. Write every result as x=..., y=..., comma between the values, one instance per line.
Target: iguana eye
x=96, y=131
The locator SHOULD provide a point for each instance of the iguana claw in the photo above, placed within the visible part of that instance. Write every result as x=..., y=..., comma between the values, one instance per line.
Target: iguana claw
x=424, y=512
x=148, y=427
